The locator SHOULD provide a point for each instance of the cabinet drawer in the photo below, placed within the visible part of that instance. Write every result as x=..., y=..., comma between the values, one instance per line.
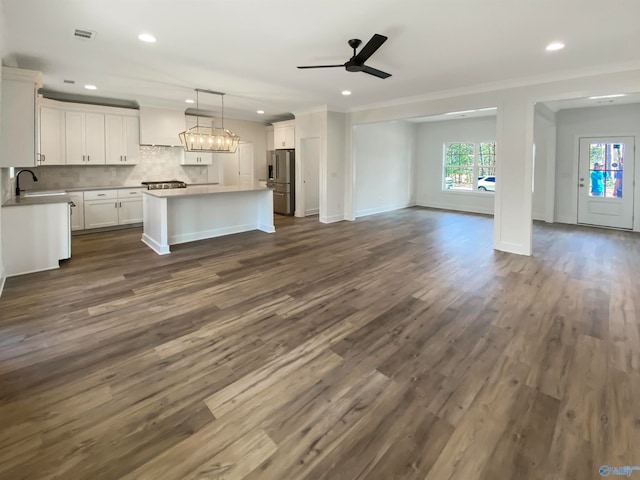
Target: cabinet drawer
x=130, y=192
x=100, y=194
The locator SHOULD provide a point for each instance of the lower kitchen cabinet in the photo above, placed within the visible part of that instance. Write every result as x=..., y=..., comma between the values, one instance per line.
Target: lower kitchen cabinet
x=77, y=210
x=109, y=208
x=100, y=213
x=129, y=211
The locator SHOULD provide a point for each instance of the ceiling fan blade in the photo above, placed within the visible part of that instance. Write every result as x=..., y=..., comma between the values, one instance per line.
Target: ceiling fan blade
x=369, y=49
x=375, y=72
x=323, y=66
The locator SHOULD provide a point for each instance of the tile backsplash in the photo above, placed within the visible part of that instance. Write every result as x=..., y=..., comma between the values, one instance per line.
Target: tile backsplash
x=156, y=163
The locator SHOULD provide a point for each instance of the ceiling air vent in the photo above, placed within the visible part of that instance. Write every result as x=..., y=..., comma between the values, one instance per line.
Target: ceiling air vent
x=84, y=34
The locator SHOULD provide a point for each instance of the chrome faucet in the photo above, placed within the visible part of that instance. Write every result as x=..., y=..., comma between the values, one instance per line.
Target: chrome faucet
x=35, y=179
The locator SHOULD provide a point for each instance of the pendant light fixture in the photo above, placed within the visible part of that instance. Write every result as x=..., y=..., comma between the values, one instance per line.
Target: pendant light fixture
x=203, y=138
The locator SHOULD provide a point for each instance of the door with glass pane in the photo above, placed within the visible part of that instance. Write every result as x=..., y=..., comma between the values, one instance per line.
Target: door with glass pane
x=605, y=179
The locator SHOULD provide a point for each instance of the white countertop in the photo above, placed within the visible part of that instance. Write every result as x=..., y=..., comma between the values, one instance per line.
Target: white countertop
x=204, y=190
x=22, y=201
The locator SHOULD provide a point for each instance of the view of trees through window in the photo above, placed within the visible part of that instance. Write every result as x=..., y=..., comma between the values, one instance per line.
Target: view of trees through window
x=469, y=166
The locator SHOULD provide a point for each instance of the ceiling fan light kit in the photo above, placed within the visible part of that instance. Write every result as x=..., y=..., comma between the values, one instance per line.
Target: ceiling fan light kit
x=356, y=62
x=205, y=138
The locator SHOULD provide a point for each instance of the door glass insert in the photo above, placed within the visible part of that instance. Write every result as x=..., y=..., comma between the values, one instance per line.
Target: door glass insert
x=606, y=165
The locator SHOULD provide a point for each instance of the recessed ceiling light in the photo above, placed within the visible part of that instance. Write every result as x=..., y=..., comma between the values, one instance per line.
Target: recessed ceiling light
x=553, y=46
x=346, y=93
x=189, y=100
x=147, y=37
x=607, y=96
x=260, y=112
x=90, y=87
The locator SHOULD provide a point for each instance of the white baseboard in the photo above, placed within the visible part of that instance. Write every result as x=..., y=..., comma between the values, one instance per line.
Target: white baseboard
x=511, y=247
x=332, y=219
x=570, y=220
x=155, y=246
x=3, y=278
x=457, y=208
x=385, y=208
x=311, y=211
x=267, y=228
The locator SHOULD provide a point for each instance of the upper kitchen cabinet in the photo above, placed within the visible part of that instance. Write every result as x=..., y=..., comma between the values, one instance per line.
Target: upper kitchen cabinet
x=122, y=134
x=284, y=135
x=197, y=158
x=18, y=117
x=84, y=138
x=51, y=137
x=159, y=126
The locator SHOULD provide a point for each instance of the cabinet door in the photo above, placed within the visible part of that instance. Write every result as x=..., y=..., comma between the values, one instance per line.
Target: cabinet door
x=77, y=211
x=197, y=158
x=100, y=213
x=114, y=139
x=18, y=119
x=95, y=138
x=74, y=138
x=129, y=210
x=289, y=137
x=51, y=137
x=279, y=137
x=131, y=129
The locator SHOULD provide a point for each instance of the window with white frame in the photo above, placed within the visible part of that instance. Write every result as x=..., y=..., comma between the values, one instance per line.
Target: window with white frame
x=469, y=167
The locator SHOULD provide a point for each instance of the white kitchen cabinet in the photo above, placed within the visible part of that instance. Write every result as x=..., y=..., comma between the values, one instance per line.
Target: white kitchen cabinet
x=77, y=210
x=284, y=135
x=129, y=205
x=84, y=138
x=51, y=136
x=18, y=117
x=100, y=213
x=129, y=211
x=159, y=126
x=122, y=139
x=35, y=237
x=108, y=208
x=196, y=158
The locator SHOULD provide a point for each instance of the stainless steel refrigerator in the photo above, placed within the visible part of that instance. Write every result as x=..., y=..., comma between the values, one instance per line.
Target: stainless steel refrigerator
x=281, y=177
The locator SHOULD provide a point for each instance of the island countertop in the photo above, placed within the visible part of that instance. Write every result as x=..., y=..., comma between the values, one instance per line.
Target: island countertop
x=203, y=190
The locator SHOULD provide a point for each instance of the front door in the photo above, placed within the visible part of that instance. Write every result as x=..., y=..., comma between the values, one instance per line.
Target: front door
x=605, y=192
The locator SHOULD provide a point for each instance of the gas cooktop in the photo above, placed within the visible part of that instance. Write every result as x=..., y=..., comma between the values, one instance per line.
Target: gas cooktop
x=165, y=184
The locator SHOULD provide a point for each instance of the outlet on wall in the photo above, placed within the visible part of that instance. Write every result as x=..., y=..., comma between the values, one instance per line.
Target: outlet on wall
x=113, y=172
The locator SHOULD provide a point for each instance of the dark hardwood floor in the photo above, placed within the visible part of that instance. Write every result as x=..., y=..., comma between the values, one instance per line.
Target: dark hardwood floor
x=399, y=346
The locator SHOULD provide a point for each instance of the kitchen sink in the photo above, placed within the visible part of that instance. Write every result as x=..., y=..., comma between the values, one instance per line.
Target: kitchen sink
x=43, y=193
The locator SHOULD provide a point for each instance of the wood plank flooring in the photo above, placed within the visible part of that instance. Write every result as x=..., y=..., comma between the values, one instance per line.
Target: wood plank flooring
x=399, y=346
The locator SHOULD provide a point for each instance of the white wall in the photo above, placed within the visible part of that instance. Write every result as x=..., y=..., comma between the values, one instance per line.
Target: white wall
x=621, y=120
x=251, y=132
x=4, y=172
x=514, y=137
x=384, y=156
x=431, y=138
x=332, y=185
x=544, y=138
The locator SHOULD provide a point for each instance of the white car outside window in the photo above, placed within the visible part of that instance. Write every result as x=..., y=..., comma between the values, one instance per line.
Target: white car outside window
x=487, y=184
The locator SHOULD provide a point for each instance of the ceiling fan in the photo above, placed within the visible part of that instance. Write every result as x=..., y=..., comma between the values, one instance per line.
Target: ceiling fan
x=356, y=62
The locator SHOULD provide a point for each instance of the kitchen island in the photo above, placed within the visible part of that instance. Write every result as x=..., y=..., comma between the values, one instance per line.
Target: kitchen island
x=183, y=215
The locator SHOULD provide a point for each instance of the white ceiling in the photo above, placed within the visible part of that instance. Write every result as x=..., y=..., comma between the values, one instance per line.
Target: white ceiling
x=250, y=48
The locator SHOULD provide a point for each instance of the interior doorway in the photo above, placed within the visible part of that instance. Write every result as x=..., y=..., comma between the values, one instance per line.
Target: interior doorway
x=605, y=181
